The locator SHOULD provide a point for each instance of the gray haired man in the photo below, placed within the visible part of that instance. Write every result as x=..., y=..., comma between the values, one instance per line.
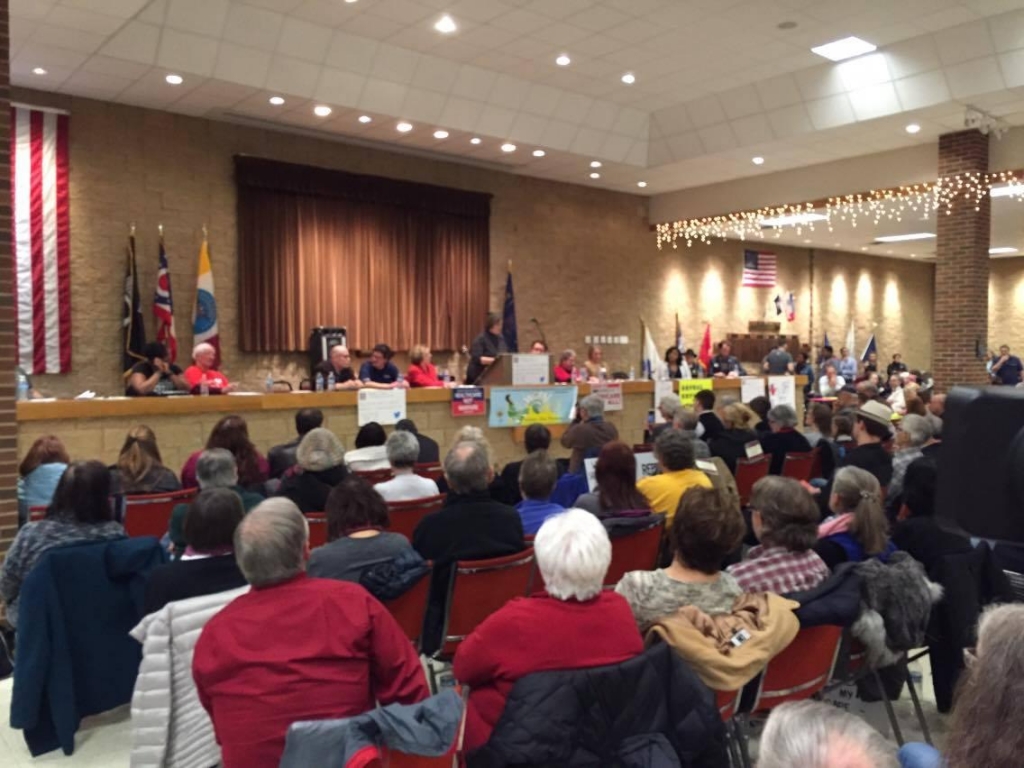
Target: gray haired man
x=589, y=432
x=402, y=450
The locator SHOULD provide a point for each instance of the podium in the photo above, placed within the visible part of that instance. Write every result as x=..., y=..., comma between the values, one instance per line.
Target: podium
x=514, y=369
x=497, y=374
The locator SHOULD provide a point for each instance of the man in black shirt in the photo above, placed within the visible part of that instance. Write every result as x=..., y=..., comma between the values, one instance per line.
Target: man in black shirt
x=338, y=362
x=430, y=453
x=282, y=457
x=154, y=375
x=486, y=348
x=872, y=426
x=724, y=363
x=897, y=366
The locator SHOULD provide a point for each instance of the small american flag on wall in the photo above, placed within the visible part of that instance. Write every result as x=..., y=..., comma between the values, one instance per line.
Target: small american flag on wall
x=758, y=269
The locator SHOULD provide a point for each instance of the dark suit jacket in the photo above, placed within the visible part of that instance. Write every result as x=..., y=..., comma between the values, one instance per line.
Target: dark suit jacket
x=309, y=490
x=282, y=457
x=191, y=578
x=778, y=444
x=430, y=453
x=713, y=425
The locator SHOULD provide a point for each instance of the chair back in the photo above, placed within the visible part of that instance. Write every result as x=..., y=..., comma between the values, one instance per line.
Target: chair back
x=430, y=471
x=636, y=551
x=643, y=447
x=798, y=466
x=374, y=476
x=37, y=513
x=748, y=472
x=410, y=607
x=728, y=703
x=801, y=670
x=817, y=468
x=406, y=515
x=317, y=529
x=150, y=514
x=478, y=589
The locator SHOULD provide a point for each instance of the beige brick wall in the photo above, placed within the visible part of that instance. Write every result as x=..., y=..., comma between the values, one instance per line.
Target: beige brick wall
x=1006, y=304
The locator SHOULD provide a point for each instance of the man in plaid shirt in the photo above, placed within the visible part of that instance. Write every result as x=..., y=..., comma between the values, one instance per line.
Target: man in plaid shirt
x=785, y=521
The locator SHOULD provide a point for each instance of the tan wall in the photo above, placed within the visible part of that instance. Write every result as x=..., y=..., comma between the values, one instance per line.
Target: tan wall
x=1006, y=304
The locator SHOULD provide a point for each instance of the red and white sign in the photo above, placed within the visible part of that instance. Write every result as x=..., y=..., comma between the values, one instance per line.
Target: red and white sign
x=610, y=393
x=468, y=401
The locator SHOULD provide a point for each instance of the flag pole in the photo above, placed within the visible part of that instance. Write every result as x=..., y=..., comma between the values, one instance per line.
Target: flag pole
x=160, y=229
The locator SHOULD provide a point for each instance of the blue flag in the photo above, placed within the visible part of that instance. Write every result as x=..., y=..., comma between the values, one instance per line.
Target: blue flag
x=508, y=318
x=826, y=343
x=871, y=347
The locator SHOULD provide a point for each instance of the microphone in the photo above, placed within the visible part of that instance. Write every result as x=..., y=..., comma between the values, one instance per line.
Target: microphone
x=539, y=330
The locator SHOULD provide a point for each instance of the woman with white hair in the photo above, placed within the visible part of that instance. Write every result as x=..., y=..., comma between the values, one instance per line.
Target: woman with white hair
x=203, y=370
x=552, y=630
x=914, y=432
x=320, y=458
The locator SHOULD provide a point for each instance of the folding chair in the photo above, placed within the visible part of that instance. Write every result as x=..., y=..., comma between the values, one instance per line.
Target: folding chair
x=643, y=447
x=433, y=472
x=411, y=606
x=374, y=476
x=728, y=703
x=38, y=513
x=150, y=514
x=317, y=529
x=406, y=515
x=635, y=551
x=798, y=466
x=748, y=472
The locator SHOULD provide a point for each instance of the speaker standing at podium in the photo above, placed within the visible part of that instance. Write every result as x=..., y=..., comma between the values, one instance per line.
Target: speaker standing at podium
x=486, y=348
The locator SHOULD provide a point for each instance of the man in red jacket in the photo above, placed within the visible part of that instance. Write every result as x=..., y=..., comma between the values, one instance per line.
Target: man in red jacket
x=294, y=648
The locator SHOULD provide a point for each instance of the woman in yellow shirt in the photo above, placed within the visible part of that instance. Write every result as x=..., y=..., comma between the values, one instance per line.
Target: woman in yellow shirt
x=674, y=452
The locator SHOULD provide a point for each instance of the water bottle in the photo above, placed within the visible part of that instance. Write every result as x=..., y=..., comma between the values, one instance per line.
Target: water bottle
x=22, y=387
x=331, y=381
x=319, y=382
x=446, y=376
x=204, y=386
x=632, y=373
x=399, y=379
x=270, y=383
x=604, y=373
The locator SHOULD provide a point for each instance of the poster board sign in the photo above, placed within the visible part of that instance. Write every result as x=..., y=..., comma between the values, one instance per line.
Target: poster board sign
x=385, y=406
x=688, y=389
x=523, y=406
x=646, y=465
x=531, y=370
x=751, y=387
x=468, y=401
x=611, y=393
x=662, y=388
x=782, y=391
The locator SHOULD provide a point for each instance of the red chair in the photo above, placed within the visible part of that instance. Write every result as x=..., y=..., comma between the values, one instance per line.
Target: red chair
x=150, y=514
x=636, y=551
x=317, y=529
x=410, y=607
x=798, y=466
x=406, y=515
x=478, y=589
x=374, y=476
x=38, y=513
x=643, y=447
x=801, y=670
x=748, y=472
x=430, y=471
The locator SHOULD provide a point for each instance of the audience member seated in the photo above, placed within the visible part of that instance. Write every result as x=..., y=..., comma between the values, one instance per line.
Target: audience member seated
x=917, y=531
x=565, y=371
x=505, y=487
x=830, y=382
x=857, y=529
x=704, y=406
x=537, y=477
x=821, y=439
x=202, y=372
x=686, y=423
x=847, y=398
x=866, y=390
x=379, y=372
x=667, y=408
x=761, y=405
x=403, y=450
x=554, y=631
x=422, y=372
x=783, y=437
x=896, y=397
x=155, y=375
x=80, y=512
x=679, y=474
x=430, y=452
x=470, y=526
x=39, y=473
x=871, y=428
x=914, y=433
x=338, y=362
x=356, y=537
x=321, y=466
x=706, y=528
x=232, y=433
x=589, y=431
x=208, y=564
x=785, y=521
x=139, y=468
x=616, y=494
x=281, y=458
x=370, y=452
x=730, y=445
x=813, y=734
x=814, y=414
x=216, y=468
x=294, y=648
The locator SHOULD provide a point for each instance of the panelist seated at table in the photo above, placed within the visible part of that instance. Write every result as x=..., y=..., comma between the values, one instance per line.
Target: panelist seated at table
x=379, y=372
x=203, y=358
x=338, y=362
x=422, y=371
x=565, y=371
x=155, y=375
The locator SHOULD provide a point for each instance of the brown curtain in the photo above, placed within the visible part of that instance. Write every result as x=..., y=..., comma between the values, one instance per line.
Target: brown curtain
x=393, y=262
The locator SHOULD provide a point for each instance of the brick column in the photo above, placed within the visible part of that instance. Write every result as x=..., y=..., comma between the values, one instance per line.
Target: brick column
x=8, y=423
x=961, y=270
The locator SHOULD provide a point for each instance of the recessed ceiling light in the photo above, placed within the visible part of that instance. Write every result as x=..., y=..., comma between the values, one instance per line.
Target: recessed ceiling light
x=913, y=128
x=913, y=255
x=595, y=163
x=38, y=71
x=847, y=48
x=441, y=134
x=863, y=247
x=322, y=110
x=446, y=25
x=508, y=147
x=175, y=79
x=807, y=242
x=629, y=78
x=595, y=175
x=757, y=160
x=475, y=140
x=351, y=1
x=277, y=101
x=364, y=119
x=905, y=238
x=563, y=60
x=641, y=184
x=1002, y=249
x=793, y=218
x=403, y=127
x=539, y=153
x=1010, y=190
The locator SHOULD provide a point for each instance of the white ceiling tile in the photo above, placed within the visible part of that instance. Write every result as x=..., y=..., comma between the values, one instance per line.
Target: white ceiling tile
x=497, y=61
x=963, y=43
x=572, y=107
x=911, y=57
x=717, y=138
x=753, y=129
x=124, y=9
x=528, y=129
x=327, y=13
x=154, y=13
x=203, y=17
x=615, y=148
x=415, y=39
x=521, y=21
x=705, y=111
x=672, y=120
x=528, y=48
x=974, y=77
x=820, y=82
x=96, y=85
x=601, y=115
x=402, y=11
x=631, y=122
x=135, y=42
x=874, y=101
x=596, y=45
x=558, y=10
x=460, y=114
x=559, y=134
x=495, y=121
x=351, y=53
x=659, y=153
x=587, y=141
x=637, y=154
x=474, y=83
x=395, y=64
x=560, y=36
x=435, y=73
x=740, y=102
x=103, y=65
x=255, y=27
x=597, y=19
x=1012, y=66
x=382, y=96
x=790, y=121
x=242, y=64
x=423, y=106
x=830, y=112
x=375, y=27
x=1007, y=31
x=86, y=21
x=303, y=40
x=290, y=75
x=685, y=146
x=491, y=37
x=478, y=10
x=31, y=9
x=62, y=37
x=924, y=90
x=864, y=71
x=186, y=52
x=634, y=31
x=541, y=100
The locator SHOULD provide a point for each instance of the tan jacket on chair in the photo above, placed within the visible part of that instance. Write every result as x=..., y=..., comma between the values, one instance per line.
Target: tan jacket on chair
x=706, y=641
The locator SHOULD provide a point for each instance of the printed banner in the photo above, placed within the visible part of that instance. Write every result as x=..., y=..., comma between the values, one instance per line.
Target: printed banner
x=385, y=406
x=781, y=391
x=523, y=406
x=610, y=393
x=468, y=401
x=688, y=389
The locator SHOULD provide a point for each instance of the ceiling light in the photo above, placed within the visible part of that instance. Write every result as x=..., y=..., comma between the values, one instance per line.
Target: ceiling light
x=629, y=78
x=913, y=128
x=403, y=127
x=475, y=140
x=321, y=110
x=563, y=60
x=441, y=134
x=863, y=247
x=539, y=153
x=508, y=147
x=364, y=119
x=446, y=25
x=905, y=238
x=641, y=184
x=595, y=163
x=595, y=175
x=1003, y=249
x=175, y=79
x=1010, y=190
x=757, y=160
x=38, y=71
x=913, y=255
x=277, y=101
x=791, y=219
x=807, y=242
x=351, y=1
x=847, y=48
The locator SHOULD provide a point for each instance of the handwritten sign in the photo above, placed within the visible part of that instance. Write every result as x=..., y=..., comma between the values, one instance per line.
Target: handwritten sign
x=781, y=391
x=530, y=370
x=751, y=387
x=611, y=393
x=385, y=406
x=688, y=389
x=468, y=401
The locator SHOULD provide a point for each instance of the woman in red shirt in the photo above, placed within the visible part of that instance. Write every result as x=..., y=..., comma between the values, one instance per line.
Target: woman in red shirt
x=554, y=630
x=566, y=367
x=422, y=372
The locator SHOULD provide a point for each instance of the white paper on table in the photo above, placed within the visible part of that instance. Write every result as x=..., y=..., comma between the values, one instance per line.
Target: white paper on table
x=782, y=391
x=610, y=393
x=662, y=388
x=530, y=370
x=385, y=406
x=751, y=387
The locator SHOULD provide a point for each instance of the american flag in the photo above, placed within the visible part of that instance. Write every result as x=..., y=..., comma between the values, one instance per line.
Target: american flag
x=758, y=269
x=163, y=308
